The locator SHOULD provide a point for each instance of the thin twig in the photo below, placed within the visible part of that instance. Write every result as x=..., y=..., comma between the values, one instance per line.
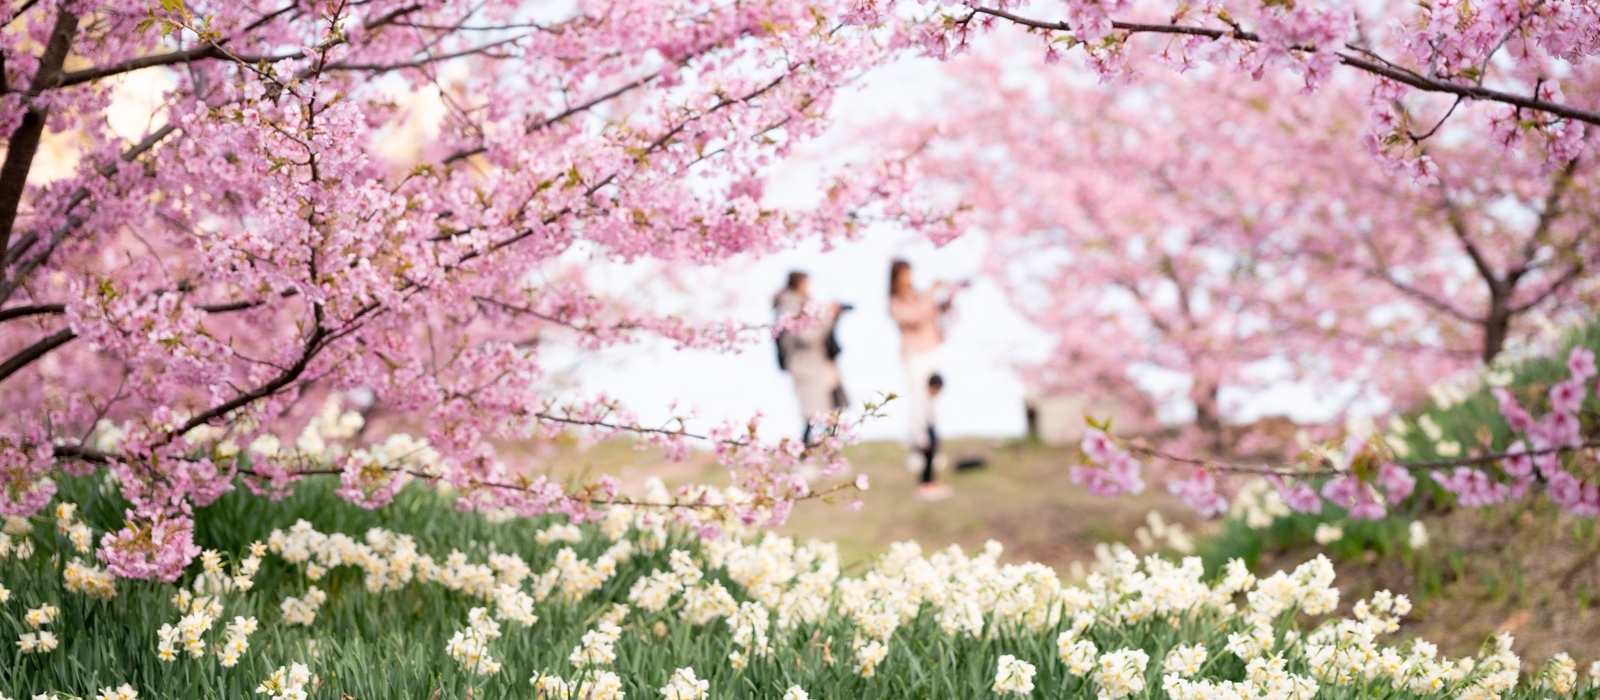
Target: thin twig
x=1271, y=470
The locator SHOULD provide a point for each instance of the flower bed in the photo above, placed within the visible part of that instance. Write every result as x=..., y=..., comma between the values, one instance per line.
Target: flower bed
x=449, y=603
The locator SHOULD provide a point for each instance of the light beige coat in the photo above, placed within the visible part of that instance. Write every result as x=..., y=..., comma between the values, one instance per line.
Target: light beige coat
x=806, y=354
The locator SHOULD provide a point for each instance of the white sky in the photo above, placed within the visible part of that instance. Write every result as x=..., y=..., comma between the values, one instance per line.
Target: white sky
x=985, y=339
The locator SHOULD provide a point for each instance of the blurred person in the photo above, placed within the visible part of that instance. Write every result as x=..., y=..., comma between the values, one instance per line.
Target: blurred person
x=808, y=353
x=919, y=316
x=927, y=488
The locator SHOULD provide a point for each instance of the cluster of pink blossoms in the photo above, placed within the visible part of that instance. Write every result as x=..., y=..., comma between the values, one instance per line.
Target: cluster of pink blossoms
x=159, y=548
x=1113, y=471
x=1541, y=451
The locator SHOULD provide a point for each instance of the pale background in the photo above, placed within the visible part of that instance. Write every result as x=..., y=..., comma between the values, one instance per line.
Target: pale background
x=986, y=338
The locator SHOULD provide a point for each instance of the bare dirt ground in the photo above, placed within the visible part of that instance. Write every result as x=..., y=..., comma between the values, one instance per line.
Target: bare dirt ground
x=1530, y=574
x=1022, y=499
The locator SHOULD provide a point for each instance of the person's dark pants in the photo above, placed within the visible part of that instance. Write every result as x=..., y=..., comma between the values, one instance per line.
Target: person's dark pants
x=927, y=456
x=838, y=404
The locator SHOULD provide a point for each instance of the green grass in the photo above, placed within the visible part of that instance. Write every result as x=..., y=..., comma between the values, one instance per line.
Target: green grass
x=114, y=641
x=391, y=645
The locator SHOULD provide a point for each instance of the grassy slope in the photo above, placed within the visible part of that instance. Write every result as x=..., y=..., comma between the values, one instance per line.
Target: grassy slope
x=1523, y=568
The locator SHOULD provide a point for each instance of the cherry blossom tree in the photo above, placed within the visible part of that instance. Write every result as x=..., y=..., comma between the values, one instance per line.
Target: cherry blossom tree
x=1473, y=80
x=189, y=293
x=1165, y=257
x=1206, y=247
x=1203, y=221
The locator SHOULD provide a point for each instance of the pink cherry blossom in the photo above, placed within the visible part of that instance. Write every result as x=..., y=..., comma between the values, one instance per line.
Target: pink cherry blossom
x=1517, y=417
x=1472, y=487
x=1567, y=397
x=150, y=548
x=1356, y=497
x=1199, y=491
x=1098, y=446
x=1397, y=482
x=1121, y=474
x=1299, y=496
x=1519, y=464
x=1577, y=497
x=1580, y=362
x=1562, y=429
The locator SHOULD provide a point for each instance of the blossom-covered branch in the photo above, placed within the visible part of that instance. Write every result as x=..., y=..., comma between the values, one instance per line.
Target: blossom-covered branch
x=1528, y=64
x=1364, y=477
x=1352, y=55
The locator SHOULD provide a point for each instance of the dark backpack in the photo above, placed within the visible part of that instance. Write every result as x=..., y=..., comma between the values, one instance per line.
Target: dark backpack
x=832, y=348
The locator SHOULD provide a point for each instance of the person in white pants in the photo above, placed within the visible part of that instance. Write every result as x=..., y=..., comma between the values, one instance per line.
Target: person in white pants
x=921, y=338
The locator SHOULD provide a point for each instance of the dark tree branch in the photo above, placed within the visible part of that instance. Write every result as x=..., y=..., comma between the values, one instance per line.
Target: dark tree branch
x=1324, y=469
x=26, y=5
x=199, y=53
x=1458, y=225
x=1548, y=215
x=66, y=335
x=1565, y=280
x=418, y=63
x=1426, y=298
x=559, y=116
x=24, y=142
x=33, y=352
x=16, y=312
x=313, y=346
x=1381, y=270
